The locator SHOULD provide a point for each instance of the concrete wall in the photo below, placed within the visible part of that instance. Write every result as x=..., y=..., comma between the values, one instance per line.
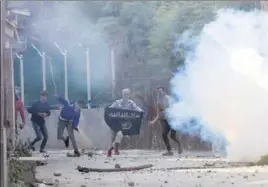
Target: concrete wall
x=94, y=133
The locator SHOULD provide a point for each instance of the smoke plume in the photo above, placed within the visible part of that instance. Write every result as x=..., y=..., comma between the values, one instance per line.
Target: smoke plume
x=68, y=25
x=224, y=84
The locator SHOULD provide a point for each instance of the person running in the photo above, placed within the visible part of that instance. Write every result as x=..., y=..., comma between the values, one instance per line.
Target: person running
x=39, y=111
x=124, y=103
x=163, y=101
x=69, y=119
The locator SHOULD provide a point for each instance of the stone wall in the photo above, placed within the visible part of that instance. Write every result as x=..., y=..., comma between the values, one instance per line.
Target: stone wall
x=93, y=131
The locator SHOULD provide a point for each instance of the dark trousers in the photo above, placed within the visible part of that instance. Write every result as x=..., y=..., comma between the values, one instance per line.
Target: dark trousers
x=40, y=131
x=165, y=130
x=62, y=125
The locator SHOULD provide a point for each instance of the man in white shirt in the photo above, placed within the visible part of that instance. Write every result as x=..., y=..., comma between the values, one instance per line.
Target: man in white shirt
x=163, y=101
x=124, y=103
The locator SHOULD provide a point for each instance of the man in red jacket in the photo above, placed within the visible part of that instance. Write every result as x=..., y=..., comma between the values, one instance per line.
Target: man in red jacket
x=19, y=109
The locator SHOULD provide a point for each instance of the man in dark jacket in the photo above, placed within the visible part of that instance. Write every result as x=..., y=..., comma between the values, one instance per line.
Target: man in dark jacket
x=39, y=111
x=69, y=118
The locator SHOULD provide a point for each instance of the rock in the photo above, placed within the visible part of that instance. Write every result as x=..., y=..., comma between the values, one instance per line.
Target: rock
x=46, y=155
x=245, y=177
x=83, y=151
x=41, y=185
x=117, y=166
x=166, y=182
x=83, y=185
x=57, y=174
x=89, y=154
x=131, y=183
x=41, y=163
x=57, y=181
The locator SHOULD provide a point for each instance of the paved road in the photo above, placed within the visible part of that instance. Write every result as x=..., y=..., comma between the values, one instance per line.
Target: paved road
x=157, y=176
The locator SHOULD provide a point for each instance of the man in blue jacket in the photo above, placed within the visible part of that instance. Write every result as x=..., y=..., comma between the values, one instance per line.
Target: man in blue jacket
x=69, y=119
x=39, y=111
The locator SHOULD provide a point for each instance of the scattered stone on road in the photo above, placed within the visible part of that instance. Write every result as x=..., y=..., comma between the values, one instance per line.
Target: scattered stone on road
x=41, y=185
x=89, y=154
x=57, y=174
x=191, y=171
x=131, y=183
x=117, y=166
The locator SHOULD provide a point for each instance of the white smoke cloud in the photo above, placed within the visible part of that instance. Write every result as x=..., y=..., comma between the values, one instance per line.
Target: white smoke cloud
x=225, y=84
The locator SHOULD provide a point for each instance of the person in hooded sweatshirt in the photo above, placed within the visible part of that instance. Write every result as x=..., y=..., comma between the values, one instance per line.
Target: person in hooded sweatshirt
x=39, y=111
x=69, y=119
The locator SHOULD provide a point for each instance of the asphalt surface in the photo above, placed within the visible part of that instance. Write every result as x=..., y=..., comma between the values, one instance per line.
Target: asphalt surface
x=189, y=170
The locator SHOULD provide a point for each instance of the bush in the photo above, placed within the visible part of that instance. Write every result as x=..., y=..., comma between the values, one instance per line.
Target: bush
x=263, y=160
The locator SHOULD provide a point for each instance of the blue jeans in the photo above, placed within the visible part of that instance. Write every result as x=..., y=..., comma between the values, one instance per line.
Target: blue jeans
x=40, y=130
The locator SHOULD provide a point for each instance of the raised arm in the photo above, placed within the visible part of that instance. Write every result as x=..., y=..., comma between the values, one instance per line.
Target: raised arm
x=115, y=104
x=62, y=101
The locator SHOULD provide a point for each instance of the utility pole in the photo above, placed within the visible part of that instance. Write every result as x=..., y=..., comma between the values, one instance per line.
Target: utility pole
x=43, y=57
x=88, y=70
x=20, y=57
x=88, y=77
x=113, y=71
x=3, y=146
x=64, y=54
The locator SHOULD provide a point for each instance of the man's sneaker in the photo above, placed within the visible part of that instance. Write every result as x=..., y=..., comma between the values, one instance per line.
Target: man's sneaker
x=31, y=147
x=75, y=154
x=66, y=141
x=169, y=153
x=42, y=151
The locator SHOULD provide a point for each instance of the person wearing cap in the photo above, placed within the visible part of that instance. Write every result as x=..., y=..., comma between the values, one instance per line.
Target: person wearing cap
x=39, y=111
x=69, y=118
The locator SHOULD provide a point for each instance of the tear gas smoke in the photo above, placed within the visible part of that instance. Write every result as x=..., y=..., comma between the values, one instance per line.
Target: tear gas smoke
x=225, y=84
x=66, y=24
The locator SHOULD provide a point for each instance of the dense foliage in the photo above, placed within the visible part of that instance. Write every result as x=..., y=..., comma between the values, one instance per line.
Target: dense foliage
x=143, y=33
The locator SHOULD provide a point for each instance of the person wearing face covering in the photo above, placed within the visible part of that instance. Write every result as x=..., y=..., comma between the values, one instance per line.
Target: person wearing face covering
x=69, y=119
